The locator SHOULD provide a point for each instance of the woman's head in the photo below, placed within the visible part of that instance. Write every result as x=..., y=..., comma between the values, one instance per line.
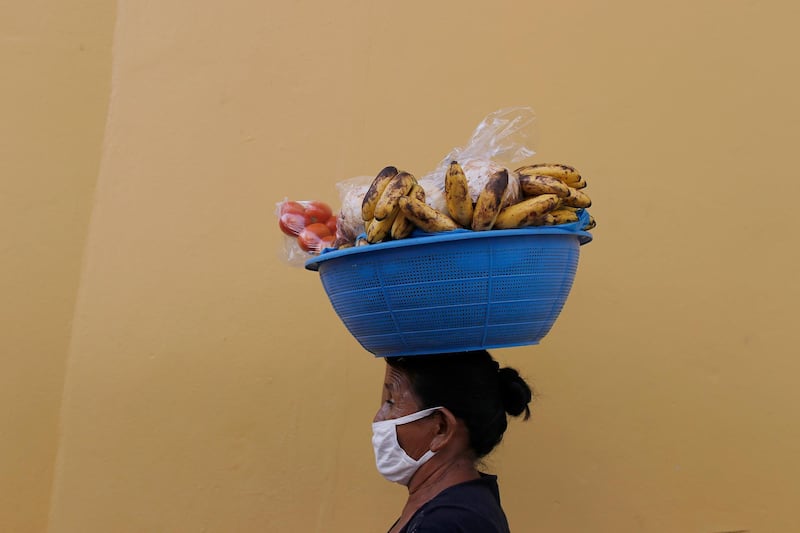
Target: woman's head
x=473, y=387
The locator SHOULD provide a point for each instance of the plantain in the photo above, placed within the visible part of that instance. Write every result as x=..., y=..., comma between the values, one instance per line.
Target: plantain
x=490, y=201
x=580, y=184
x=536, y=185
x=425, y=217
x=563, y=215
x=402, y=226
x=400, y=185
x=457, y=197
x=527, y=212
x=565, y=173
x=374, y=192
x=577, y=198
x=379, y=230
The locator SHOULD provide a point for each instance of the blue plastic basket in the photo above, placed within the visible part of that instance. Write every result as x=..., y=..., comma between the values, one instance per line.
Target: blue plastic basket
x=455, y=291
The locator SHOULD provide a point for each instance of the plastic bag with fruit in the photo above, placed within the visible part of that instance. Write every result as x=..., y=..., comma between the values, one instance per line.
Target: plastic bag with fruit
x=503, y=139
x=309, y=227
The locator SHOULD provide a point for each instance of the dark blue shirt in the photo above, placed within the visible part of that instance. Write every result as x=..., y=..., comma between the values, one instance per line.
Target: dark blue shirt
x=469, y=507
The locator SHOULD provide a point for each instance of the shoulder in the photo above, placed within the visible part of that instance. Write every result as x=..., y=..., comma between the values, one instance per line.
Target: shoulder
x=471, y=507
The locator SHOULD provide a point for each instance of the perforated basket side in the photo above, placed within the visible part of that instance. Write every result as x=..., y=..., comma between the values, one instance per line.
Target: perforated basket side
x=454, y=295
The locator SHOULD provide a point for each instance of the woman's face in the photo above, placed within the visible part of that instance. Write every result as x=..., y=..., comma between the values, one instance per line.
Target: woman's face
x=398, y=400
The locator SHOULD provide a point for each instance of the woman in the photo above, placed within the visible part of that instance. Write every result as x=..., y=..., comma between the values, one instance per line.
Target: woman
x=440, y=414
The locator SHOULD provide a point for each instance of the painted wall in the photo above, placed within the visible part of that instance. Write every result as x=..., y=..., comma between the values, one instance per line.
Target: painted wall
x=55, y=57
x=209, y=385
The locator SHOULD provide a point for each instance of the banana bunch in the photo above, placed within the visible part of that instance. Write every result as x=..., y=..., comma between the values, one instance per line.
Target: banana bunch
x=394, y=205
x=380, y=208
x=551, y=194
x=544, y=184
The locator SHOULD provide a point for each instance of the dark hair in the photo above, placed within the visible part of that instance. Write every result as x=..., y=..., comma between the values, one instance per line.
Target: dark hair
x=473, y=387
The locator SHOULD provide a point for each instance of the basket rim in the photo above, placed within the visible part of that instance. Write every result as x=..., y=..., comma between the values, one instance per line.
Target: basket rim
x=420, y=238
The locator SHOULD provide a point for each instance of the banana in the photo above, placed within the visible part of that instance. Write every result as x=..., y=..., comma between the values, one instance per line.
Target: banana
x=577, y=198
x=526, y=212
x=400, y=185
x=374, y=192
x=402, y=226
x=580, y=184
x=490, y=201
x=544, y=220
x=424, y=216
x=591, y=225
x=457, y=197
x=563, y=215
x=536, y=185
x=379, y=230
x=565, y=173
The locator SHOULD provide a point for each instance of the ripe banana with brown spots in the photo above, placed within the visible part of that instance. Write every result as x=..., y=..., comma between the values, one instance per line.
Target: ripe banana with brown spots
x=536, y=185
x=527, y=212
x=400, y=185
x=490, y=201
x=379, y=230
x=402, y=225
x=580, y=184
x=577, y=198
x=457, y=197
x=374, y=192
x=591, y=224
x=565, y=173
x=563, y=215
x=425, y=217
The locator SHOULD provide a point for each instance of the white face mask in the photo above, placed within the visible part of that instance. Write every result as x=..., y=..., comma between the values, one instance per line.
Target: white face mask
x=392, y=461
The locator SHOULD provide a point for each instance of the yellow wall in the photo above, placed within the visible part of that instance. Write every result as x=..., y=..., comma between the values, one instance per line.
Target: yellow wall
x=210, y=387
x=55, y=57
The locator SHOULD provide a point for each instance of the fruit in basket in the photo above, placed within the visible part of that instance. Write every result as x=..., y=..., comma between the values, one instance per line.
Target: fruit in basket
x=528, y=212
x=426, y=217
x=565, y=173
x=317, y=212
x=292, y=223
x=580, y=184
x=379, y=230
x=375, y=191
x=311, y=223
x=535, y=185
x=333, y=224
x=457, y=196
x=402, y=225
x=399, y=185
x=577, y=198
x=563, y=215
x=490, y=201
x=314, y=237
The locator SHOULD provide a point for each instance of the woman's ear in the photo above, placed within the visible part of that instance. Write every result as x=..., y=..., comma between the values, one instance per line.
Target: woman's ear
x=445, y=430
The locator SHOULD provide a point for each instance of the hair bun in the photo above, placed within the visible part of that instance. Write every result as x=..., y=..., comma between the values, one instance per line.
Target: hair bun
x=514, y=392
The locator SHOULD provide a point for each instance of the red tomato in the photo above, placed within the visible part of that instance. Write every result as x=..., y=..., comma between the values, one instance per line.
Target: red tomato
x=292, y=207
x=319, y=228
x=310, y=238
x=292, y=223
x=331, y=223
x=327, y=242
x=317, y=212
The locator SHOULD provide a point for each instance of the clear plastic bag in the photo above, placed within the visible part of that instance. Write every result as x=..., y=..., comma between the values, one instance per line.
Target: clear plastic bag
x=308, y=228
x=351, y=195
x=502, y=140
